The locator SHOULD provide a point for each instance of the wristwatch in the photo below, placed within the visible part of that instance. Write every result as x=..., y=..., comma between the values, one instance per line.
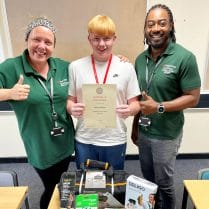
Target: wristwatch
x=160, y=108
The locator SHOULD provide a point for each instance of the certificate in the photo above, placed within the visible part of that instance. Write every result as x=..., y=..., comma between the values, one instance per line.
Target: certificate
x=100, y=104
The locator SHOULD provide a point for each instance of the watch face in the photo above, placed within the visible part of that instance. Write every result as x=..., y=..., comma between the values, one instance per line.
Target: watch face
x=161, y=108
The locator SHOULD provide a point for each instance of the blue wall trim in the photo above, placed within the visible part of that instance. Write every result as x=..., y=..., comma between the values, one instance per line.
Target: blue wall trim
x=204, y=101
x=128, y=157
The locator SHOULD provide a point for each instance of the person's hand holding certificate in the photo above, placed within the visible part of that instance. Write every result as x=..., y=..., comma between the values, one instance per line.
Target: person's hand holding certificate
x=100, y=104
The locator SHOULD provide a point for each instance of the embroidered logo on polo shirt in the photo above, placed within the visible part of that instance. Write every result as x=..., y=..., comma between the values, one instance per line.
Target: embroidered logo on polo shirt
x=64, y=82
x=168, y=69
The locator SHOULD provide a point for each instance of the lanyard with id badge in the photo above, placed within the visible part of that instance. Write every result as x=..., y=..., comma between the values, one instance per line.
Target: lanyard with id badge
x=145, y=121
x=56, y=130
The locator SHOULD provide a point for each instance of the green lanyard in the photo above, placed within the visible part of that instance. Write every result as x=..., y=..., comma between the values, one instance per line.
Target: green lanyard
x=149, y=79
x=51, y=98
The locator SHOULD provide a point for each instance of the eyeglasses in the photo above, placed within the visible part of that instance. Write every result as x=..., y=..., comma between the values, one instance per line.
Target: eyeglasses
x=162, y=23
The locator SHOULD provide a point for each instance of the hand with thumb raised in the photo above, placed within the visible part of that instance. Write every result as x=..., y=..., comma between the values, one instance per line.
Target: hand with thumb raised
x=145, y=96
x=20, y=91
x=21, y=79
x=148, y=105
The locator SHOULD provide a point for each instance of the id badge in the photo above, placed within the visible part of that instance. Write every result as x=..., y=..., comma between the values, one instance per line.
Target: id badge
x=57, y=131
x=144, y=121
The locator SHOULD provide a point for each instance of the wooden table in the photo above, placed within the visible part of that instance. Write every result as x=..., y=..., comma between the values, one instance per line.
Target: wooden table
x=12, y=197
x=55, y=200
x=198, y=191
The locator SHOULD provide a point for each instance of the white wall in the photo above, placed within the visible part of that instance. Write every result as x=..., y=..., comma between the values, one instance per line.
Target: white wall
x=10, y=142
x=192, y=31
x=196, y=131
x=195, y=139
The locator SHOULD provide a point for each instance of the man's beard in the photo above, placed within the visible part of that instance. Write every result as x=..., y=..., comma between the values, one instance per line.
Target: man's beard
x=157, y=44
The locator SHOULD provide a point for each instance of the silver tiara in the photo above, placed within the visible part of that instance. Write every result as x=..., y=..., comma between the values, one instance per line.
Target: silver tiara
x=39, y=22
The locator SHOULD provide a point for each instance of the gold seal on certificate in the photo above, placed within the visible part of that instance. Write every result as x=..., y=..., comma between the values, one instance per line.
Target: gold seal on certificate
x=100, y=104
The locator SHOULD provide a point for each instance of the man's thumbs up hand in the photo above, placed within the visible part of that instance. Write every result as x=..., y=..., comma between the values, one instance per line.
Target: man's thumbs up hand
x=145, y=96
x=148, y=105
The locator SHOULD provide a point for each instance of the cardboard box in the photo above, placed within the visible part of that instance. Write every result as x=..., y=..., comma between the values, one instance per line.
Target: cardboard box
x=140, y=193
x=107, y=200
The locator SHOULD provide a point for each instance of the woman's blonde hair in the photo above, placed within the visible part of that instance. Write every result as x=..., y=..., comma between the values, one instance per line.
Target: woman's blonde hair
x=102, y=25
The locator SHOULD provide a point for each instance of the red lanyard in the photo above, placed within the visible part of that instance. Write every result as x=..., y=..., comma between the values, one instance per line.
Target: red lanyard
x=95, y=72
